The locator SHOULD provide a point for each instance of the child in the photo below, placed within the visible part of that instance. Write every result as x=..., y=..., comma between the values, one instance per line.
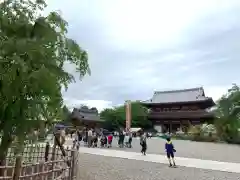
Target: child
x=110, y=138
x=170, y=152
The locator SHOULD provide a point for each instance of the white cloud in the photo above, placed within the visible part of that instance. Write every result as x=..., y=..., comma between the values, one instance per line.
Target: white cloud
x=216, y=92
x=99, y=104
x=136, y=47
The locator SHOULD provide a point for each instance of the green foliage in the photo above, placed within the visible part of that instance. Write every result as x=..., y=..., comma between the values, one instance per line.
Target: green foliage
x=228, y=122
x=33, y=51
x=195, y=130
x=66, y=113
x=116, y=117
x=200, y=133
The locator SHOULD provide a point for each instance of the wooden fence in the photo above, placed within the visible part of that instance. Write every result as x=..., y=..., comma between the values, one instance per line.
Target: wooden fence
x=40, y=162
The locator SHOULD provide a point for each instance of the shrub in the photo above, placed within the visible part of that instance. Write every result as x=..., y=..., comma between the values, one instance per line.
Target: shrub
x=203, y=138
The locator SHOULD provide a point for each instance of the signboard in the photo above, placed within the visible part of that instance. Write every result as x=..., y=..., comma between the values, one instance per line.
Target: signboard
x=128, y=115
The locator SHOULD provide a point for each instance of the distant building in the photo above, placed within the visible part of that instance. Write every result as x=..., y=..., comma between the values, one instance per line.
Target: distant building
x=173, y=110
x=87, y=117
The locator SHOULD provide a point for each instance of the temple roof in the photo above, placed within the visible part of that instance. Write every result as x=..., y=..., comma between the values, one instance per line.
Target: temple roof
x=86, y=114
x=183, y=95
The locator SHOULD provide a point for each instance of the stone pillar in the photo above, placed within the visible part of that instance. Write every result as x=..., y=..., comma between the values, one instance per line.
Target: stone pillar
x=128, y=115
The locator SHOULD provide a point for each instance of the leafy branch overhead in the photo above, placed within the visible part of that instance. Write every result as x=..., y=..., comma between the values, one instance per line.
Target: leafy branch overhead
x=33, y=52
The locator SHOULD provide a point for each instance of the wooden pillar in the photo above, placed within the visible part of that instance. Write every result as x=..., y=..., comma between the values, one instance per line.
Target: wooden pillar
x=17, y=168
x=170, y=127
x=181, y=126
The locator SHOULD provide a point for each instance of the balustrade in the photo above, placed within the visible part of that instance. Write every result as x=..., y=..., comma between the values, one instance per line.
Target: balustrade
x=180, y=113
x=176, y=109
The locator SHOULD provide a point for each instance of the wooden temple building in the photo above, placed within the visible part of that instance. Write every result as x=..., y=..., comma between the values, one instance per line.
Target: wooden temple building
x=175, y=110
x=86, y=117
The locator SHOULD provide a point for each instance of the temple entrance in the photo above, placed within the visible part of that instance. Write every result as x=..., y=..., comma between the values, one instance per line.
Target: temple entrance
x=166, y=128
x=170, y=128
x=175, y=128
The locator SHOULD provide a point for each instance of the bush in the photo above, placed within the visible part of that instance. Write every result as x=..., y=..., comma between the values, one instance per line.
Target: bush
x=182, y=137
x=200, y=138
x=235, y=140
x=203, y=138
x=208, y=133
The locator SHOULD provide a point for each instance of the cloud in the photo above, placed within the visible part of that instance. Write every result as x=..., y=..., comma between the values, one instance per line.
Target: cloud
x=136, y=47
x=75, y=103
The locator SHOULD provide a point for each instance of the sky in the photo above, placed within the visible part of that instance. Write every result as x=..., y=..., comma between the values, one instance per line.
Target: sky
x=136, y=47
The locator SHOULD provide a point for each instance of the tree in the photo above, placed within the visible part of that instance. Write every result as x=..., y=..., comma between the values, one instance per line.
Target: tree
x=228, y=111
x=33, y=51
x=116, y=117
x=66, y=113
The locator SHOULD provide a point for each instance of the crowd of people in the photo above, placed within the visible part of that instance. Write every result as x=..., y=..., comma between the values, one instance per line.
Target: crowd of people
x=92, y=138
x=124, y=139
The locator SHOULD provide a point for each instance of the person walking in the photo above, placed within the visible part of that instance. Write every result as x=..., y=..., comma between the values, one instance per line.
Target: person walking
x=90, y=134
x=170, y=150
x=62, y=136
x=76, y=140
x=130, y=140
x=126, y=140
x=121, y=139
x=102, y=141
x=143, y=143
x=110, y=138
x=85, y=139
x=94, y=140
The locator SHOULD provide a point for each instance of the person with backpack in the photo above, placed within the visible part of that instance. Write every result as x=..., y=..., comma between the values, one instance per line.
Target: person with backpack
x=170, y=150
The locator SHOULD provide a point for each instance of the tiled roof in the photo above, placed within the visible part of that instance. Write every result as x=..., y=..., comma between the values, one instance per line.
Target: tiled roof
x=184, y=95
x=86, y=114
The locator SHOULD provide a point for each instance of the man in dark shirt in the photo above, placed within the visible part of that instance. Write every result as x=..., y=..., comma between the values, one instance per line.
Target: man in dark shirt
x=170, y=150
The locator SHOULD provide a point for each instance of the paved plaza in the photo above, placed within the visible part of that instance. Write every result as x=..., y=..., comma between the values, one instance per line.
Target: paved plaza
x=190, y=149
x=161, y=159
x=196, y=160
x=95, y=167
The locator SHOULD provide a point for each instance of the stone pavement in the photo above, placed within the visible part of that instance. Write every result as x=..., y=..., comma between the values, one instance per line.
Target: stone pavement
x=156, y=158
x=189, y=149
x=95, y=167
x=129, y=164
